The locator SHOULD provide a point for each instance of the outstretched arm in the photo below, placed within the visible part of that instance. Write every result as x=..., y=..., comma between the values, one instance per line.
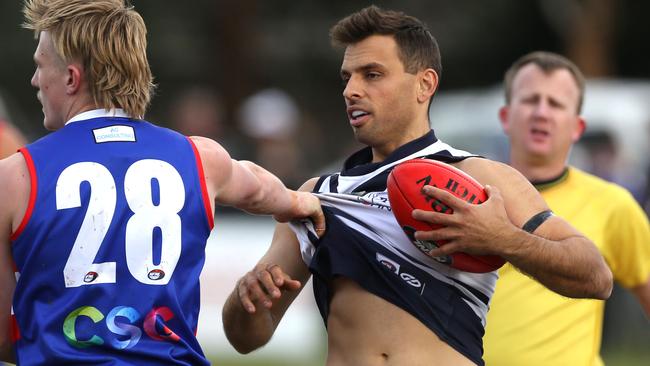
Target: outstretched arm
x=555, y=254
x=249, y=187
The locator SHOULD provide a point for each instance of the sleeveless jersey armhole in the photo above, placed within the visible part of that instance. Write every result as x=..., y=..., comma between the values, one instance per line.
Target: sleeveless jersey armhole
x=318, y=184
x=204, y=189
x=33, y=182
x=14, y=331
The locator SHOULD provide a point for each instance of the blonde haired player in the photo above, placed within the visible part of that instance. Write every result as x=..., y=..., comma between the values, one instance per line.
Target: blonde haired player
x=104, y=221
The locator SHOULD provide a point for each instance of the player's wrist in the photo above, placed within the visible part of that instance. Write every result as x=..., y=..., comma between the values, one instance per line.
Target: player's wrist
x=513, y=243
x=292, y=209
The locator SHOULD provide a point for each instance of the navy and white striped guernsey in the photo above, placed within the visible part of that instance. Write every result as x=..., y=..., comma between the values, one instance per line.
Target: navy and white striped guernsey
x=365, y=243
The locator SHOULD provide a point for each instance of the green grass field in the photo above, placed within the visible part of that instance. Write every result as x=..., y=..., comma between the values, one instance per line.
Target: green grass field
x=612, y=357
x=624, y=357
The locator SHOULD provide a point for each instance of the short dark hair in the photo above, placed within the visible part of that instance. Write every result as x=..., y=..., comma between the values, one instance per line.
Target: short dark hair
x=418, y=49
x=548, y=62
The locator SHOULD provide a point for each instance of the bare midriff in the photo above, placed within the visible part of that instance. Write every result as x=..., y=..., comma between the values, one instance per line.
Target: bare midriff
x=364, y=329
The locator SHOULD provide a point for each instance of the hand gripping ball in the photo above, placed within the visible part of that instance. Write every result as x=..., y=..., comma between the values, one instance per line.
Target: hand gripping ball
x=405, y=184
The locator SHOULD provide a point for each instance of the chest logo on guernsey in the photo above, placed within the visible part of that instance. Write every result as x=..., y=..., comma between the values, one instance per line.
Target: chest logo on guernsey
x=114, y=134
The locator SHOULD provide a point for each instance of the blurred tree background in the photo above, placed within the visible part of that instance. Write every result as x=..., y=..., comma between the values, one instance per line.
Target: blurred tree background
x=237, y=48
x=240, y=47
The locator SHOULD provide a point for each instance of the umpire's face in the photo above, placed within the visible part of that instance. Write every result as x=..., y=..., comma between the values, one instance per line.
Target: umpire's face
x=542, y=120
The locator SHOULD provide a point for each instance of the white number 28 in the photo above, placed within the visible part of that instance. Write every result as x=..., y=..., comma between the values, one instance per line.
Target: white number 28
x=80, y=268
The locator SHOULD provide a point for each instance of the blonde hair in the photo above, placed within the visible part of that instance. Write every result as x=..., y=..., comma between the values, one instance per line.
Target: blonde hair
x=109, y=38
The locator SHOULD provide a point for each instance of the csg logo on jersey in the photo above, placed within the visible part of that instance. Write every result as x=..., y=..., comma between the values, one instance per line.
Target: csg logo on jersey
x=80, y=327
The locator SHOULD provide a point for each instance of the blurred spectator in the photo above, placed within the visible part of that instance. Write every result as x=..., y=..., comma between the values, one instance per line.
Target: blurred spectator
x=10, y=139
x=645, y=199
x=603, y=160
x=200, y=111
x=271, y=118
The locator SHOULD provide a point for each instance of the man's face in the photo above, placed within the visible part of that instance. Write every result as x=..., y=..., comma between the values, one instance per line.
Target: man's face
x=380, y=96
x=50, y=79
x=542, y=120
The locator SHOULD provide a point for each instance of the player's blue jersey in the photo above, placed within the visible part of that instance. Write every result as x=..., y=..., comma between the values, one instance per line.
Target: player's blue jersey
x=110, y=250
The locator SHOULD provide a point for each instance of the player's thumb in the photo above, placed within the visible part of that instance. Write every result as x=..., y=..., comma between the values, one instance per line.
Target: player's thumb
x=318, y=219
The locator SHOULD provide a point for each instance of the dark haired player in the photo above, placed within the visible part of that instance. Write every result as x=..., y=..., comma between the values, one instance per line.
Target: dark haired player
x=383, y=301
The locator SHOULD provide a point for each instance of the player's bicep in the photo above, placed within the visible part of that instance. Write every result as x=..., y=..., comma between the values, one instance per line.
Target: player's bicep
x=228, y=181
x=520, y=198
x=527, y=209
x=242, y=183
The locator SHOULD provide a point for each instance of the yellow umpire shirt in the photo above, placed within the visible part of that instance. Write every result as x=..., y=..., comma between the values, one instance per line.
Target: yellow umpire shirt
x=528, y=324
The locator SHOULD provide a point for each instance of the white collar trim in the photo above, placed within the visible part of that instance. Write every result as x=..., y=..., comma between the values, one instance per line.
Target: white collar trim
x=96, y=113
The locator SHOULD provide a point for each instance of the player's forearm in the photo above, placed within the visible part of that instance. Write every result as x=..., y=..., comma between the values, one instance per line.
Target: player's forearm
x=246, y=332
x=572, y=267
x=271, y=195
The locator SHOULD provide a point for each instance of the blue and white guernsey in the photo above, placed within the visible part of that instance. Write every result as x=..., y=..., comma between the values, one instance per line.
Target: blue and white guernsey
x=365, y=243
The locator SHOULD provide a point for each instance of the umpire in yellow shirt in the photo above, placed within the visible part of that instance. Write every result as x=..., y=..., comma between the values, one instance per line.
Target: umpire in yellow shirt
x=528, y=324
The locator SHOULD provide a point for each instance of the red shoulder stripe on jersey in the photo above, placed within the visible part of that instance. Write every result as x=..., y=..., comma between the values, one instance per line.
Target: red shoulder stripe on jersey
x=32, y=193
x=13, y=328
x=204, y=188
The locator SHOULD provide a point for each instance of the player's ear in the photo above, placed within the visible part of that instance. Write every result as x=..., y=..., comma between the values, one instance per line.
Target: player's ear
x=503, y=118
x=580, y=128
x=427, y=85
x=74, y=76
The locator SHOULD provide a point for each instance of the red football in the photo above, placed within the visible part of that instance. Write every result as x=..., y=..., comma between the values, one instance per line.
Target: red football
x=405, y=184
